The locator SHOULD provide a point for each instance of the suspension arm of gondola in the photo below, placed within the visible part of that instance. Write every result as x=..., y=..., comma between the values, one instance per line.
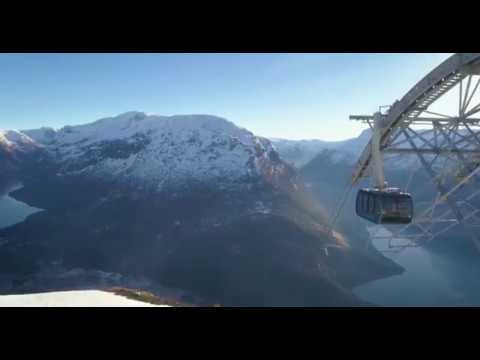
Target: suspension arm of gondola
x=377, y=159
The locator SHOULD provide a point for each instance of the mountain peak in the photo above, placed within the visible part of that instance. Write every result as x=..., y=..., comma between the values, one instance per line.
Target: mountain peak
x=14, y=139
x=126, y=116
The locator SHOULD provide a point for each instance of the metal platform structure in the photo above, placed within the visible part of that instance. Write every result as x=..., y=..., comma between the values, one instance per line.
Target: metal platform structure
x=445, y=144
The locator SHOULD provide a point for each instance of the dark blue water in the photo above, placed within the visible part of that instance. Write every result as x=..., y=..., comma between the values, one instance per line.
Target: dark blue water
x=11, y=210
x=429, y=280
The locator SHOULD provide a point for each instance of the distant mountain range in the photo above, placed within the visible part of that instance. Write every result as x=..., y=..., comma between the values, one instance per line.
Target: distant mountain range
x=300, y=152
x=192, y=202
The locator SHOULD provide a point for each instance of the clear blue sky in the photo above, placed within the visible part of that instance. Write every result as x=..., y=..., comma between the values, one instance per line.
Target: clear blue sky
x=277, y=95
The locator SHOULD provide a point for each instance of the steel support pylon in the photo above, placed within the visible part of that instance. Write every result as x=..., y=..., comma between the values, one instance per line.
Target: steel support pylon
x=442, y=144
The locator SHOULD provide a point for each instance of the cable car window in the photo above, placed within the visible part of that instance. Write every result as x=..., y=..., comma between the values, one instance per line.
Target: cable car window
x=370, y=203
x=389, y=204
x=404, y=205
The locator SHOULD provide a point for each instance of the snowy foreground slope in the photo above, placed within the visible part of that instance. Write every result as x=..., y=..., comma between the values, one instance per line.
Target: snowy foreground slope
x=79, y=298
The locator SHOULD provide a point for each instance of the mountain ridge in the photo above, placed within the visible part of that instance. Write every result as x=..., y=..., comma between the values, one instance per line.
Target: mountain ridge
x=137, y=148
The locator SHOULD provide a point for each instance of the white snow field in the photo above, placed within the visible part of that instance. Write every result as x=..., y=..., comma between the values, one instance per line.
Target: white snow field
x=168, y=149
x=77, y=298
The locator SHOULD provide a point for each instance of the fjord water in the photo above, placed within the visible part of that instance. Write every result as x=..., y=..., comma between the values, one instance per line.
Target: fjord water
x=13, y=211
x=429, y=280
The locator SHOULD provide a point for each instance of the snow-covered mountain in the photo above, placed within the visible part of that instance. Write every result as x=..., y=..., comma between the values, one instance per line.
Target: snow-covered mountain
x=16, y=151
x=16, y=141
x=43, y=135
x=160, y=152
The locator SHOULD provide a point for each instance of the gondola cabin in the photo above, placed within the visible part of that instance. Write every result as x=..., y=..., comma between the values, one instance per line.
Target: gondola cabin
x=388, y=206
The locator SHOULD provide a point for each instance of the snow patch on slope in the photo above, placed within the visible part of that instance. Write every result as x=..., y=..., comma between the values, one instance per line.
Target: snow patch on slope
x=77, y=298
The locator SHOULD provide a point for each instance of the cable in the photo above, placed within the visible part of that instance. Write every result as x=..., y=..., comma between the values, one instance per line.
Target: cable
x=340, y=205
